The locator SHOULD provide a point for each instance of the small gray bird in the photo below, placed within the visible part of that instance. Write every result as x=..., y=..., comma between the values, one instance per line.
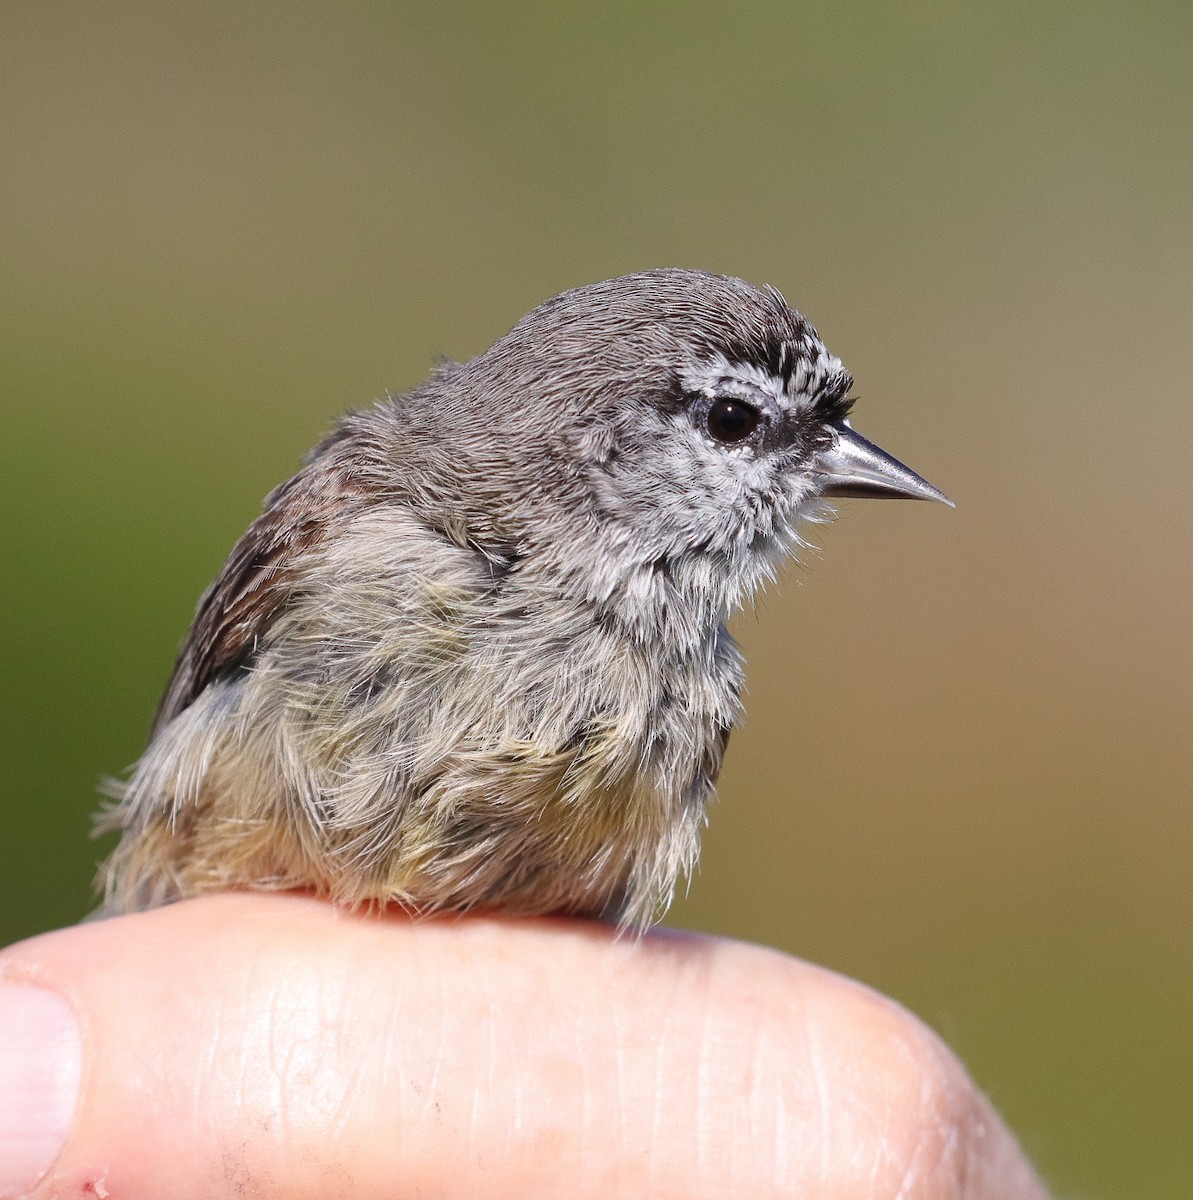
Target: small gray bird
x=474, y=653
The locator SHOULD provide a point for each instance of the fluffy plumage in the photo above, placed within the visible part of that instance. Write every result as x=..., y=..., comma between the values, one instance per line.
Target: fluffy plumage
x=474, y=653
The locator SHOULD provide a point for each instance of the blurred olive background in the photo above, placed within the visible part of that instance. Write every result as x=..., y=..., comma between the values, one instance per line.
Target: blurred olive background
x=964, y=776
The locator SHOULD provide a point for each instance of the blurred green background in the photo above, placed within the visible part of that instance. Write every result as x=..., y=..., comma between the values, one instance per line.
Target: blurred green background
x=965, y=774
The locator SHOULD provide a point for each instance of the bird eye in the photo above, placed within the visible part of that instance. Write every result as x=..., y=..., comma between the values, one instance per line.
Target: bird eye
x=732, y=420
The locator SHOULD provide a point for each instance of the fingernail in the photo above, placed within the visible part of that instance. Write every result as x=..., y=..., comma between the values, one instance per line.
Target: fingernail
x=41, y=1057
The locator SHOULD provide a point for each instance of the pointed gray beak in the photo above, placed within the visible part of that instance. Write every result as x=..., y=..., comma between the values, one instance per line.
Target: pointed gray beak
x=853, y=466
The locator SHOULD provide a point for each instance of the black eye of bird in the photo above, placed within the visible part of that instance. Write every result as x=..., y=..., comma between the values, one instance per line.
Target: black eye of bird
x=732, y=420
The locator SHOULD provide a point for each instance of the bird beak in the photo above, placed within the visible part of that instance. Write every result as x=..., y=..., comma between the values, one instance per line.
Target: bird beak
x=853, y=466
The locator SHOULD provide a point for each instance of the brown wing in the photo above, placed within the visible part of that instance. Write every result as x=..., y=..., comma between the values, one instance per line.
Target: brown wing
x=258, y=579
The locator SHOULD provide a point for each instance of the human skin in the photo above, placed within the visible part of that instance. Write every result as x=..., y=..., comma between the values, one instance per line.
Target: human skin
x=274, y=1046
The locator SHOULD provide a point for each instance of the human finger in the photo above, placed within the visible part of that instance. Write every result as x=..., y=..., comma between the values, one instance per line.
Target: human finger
x=275, y=1046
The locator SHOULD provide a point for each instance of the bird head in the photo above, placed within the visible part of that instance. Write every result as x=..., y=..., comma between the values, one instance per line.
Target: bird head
x=673, y=423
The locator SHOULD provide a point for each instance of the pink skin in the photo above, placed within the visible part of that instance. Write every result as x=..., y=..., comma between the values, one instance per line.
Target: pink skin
x=272, y=1046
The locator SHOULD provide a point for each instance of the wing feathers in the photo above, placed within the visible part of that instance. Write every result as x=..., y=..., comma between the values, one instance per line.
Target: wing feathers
x=261, y=574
